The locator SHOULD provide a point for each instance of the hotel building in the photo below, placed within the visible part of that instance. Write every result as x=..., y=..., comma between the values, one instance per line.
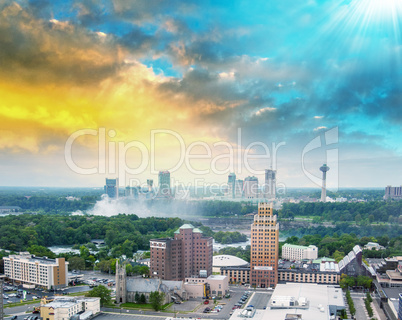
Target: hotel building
x=39, y=271
x=298, y=253
x=188, y=254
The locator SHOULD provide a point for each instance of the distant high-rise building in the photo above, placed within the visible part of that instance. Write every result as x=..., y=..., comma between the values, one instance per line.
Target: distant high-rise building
x=188, y=254
x=393, y=193
x=150, y=183
x=164, y=185
x=231, y=185
x=264, y=248
x=112, y=188
x=270, y=184
x=324, y=170
x=239, y=189
x=250, y=188
x=132, y=192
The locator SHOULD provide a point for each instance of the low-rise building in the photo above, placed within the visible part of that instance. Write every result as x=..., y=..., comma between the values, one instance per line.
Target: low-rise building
x=128, y=287
x=215, y=285
x=322, y=273
x=225, y=260
x=9, y=209
x=65, y=308
x=40, y=271
x=237, y=274
x=297, y=301
x=373, y=245
x=298, y=253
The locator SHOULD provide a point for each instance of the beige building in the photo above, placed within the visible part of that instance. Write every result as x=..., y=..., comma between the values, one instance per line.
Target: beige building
x=298, y=253
x=40, y=271
x=237, y=274
x=215, y=285
x=64, y=308
x=264, y=248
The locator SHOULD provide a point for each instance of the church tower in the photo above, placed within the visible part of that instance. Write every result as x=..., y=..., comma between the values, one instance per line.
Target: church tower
x=121, y=291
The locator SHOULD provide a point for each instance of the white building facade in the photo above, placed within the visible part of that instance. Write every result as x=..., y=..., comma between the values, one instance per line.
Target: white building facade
x=298, y=253
x=39, y=271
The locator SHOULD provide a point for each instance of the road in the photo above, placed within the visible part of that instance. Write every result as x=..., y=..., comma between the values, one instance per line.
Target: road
x=260, y=300
x=357, y=298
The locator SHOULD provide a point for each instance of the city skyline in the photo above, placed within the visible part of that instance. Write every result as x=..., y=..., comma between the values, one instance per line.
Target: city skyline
x=193, y=88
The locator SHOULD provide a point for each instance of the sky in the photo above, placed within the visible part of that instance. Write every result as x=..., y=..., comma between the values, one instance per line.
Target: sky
x=96, y=89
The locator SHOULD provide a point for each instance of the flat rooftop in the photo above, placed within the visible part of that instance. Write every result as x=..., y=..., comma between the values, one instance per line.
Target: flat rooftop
x=31, y=258
x=317, y=302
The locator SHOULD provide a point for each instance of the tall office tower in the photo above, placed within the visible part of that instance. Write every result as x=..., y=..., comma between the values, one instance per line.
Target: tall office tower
x=231, y=185
x=112, y=188
x=164, y=185
x=131, y=192
x=239, y=189
x=188, y=254
x=264, y=248
x=150, y=183
x=324, y=170
x=251, y=188
x=128, y=192
x=270, y=184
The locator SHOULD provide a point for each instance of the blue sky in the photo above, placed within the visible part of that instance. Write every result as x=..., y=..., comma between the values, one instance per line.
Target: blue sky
x=282, y=71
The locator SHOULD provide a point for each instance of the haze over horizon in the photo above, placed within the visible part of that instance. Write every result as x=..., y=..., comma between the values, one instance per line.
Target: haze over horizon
x=113, y=85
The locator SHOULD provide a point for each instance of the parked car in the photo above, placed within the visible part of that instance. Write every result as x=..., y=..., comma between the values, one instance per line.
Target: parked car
x=206, y=301
x=207, y=310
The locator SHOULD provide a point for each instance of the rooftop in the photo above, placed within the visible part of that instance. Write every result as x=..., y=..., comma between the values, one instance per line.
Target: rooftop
x=225, y=260
x=32, y=258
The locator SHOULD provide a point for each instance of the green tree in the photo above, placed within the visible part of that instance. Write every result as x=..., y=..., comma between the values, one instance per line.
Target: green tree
x=338, y=256
x=137, y=297
x=84, y=252
x=364, y=281
x=41, y=251
x=142, y=298
x=102, y=292
x=144, y=270
x=76, y=263
x=156, y=300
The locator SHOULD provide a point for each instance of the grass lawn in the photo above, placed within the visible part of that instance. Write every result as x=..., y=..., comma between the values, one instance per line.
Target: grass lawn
x=8, y=305
x=145, y=306
x=82, y=293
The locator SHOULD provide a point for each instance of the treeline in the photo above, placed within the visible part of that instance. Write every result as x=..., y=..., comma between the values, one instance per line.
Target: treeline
x=366, y=194
x=238, y=252
x=20, y=232
x=49, y=203
x=229, y=237
x=340, y=228
x=339, y=245
x=335, y=246
x=359, y=212
x=207, y=208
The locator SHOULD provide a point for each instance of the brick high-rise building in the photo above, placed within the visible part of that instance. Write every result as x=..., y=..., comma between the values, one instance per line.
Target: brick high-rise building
x=264, y=248
x=188, y=254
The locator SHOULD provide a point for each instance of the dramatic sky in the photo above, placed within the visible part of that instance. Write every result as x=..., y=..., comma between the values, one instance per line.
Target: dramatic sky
x=95, y=89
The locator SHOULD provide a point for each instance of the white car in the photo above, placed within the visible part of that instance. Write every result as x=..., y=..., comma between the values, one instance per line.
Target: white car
x=35, y=297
